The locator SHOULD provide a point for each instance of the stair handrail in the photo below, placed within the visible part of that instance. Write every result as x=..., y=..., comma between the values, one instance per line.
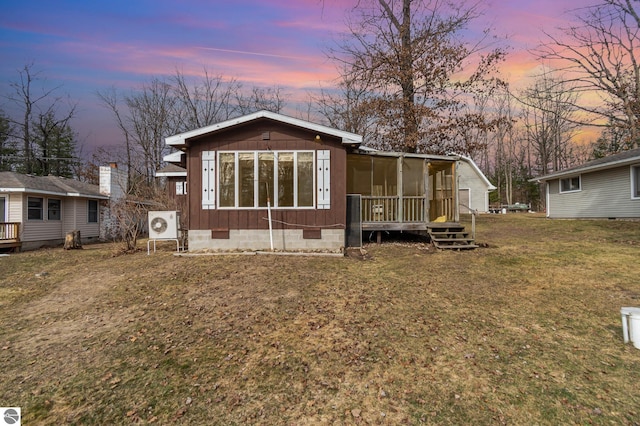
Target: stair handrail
x=474, y=212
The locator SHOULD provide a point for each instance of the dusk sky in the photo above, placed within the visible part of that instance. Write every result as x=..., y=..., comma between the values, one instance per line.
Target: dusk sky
x=87, y=46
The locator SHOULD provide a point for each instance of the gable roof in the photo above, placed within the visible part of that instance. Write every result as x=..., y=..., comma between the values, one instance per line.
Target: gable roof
x=347, y=137
x=476, y=169
x=172, y=170
x=48, y=185
x=623, y=158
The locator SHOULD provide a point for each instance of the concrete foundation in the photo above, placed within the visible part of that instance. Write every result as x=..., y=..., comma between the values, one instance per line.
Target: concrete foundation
x=258, y=239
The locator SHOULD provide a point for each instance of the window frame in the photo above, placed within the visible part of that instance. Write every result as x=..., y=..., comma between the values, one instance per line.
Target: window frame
x=50, y=209
x=4, y=217
x=570, y=179
x=635, y=182
x=31, y=209
x=273, y=192
x=181, y=188
x=90, y=211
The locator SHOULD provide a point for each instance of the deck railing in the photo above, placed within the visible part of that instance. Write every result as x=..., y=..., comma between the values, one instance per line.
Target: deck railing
x=387, y=209
x=405, y=209
x=414, y=209
x=379, y=209
x=9, y=231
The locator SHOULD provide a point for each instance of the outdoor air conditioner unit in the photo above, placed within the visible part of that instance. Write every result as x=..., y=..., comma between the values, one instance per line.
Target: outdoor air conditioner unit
x=164, y=225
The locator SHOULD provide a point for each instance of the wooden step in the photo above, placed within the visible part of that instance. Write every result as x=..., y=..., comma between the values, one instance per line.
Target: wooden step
x=448, y=234
x=453, y=240
x=450, y=237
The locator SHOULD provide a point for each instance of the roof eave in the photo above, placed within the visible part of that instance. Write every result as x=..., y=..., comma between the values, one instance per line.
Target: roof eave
x=171, y=174
x=581, y=170
x=53, y=193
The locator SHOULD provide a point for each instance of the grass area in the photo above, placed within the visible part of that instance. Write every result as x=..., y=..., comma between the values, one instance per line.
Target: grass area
x=524, y=331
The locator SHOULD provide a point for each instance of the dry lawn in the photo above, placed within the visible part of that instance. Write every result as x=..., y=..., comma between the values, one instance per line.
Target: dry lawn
x=524, y=331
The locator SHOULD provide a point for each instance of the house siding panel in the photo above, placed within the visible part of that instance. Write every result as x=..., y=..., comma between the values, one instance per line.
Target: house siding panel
x=282, y=137
x=16, y=208
x=40, y=230
x=87, y=230
x=181, y=204
x=478, y=191
x=603, y=194
x=69, y=214
x=51, y=232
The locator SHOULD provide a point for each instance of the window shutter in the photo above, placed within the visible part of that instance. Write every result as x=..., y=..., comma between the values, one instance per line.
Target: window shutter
x=324, y=180
x=208, y=180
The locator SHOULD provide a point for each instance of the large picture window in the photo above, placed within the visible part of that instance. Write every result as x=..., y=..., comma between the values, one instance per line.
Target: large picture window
x=570, y=184
x=248, y=179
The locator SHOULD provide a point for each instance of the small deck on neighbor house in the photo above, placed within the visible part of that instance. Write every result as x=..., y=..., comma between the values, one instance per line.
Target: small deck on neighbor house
x=10, y=236
x=410, y=214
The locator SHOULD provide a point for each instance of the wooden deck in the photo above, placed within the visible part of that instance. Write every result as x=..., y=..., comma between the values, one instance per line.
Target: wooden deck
x=396, y=213
x=10, y=236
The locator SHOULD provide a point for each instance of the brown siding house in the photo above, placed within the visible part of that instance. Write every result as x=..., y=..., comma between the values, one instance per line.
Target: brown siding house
x=262, y=181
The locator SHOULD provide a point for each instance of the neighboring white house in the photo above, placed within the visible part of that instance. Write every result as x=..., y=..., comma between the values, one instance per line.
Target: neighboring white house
x=608, y=187
x=38, y=211
x=473, y=187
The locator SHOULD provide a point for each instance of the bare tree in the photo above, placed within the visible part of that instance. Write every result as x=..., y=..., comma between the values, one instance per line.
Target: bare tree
x=129, y=216
x=8, y=148
x=54, y=145
x=35, y=103
x=612, y=140
x=504, y=145
x=150, y=118
x=260, y=98
x=199, y=104
x=145, y=118
x=600, y=54
x=110, y=100
x=549, y=118
x=347, y=108
x=413, y=56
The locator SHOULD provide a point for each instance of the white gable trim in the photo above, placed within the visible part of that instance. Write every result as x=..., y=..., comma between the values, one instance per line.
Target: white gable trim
x=174, y=157
x=347, y=137
x=171, y=174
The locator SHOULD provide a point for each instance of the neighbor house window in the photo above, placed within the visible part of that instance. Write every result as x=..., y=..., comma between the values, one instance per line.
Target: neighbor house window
x=570, y=184
x=92, y=211
x=248, y=179
x=635, y=181
x=34, y=208
x=53, y=209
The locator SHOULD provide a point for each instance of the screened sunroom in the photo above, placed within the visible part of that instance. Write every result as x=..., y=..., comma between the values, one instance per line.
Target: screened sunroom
x=403, y=191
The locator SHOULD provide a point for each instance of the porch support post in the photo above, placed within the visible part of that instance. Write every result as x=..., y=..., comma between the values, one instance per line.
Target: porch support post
x=400, y=217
